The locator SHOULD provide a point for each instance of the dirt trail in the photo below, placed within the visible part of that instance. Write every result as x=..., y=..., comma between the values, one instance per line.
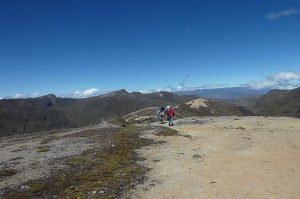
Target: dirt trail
x=225, y=157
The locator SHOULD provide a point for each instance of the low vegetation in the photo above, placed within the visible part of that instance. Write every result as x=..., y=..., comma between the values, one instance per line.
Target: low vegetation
x=16, y=158
x=103, y=173
x=164, y=131
x=7, y=172
x=43, y=149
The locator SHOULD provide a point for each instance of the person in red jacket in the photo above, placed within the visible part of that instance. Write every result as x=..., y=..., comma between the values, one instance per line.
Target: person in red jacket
x=171, y=114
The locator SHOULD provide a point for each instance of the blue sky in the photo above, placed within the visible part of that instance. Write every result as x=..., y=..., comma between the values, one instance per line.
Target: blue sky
x=78, y=48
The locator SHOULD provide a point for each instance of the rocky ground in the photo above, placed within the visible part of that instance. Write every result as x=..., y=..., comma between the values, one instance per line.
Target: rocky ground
x=225, y=157
x=200, y=157
x=25, y=158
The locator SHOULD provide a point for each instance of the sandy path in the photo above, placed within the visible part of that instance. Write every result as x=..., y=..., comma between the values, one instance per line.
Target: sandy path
x=226, y=157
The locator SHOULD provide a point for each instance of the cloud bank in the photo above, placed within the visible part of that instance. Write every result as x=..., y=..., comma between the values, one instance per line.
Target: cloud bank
x=281, y=80
x=19, y=95
x=84, y=94
x=284, y=13
x=77, y=94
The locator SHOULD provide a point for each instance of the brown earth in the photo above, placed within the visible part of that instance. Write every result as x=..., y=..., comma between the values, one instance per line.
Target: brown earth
x=225, y=157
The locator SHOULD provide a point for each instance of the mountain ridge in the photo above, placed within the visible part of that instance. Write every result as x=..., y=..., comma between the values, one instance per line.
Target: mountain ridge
x=278, y=103
x=19, y=116
x=225, y=93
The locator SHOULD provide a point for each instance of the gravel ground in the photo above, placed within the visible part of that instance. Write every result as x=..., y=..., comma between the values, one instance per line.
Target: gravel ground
x=36, y=156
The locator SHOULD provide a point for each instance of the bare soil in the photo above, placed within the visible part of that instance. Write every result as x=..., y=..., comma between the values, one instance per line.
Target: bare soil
x=225, y=157
x=200, y=157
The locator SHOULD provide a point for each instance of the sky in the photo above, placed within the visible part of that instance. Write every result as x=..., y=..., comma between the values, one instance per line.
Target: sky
x=80, y=48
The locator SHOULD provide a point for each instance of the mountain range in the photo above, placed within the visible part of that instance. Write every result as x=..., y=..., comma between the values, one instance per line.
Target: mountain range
x=225, y=93
x=19, y=116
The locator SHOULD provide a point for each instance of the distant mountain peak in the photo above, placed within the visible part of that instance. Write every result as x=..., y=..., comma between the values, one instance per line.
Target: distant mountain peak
x=49, y=96
x=115, y=93
x=122, y=91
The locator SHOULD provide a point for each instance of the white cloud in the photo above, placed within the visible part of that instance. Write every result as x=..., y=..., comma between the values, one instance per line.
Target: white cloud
x=284, y=13
x=145, y=91
x=77, y=94
x=19, y=95
x=284, y=76
x=260, y=84
x=36, y=95
x=1, y=98
x=90, y=92
x=179, y=88
x=83, y=94
x=281, y=80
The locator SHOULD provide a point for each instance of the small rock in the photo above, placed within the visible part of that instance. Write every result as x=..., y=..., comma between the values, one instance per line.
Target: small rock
x=94, y=192
x=101, y=192
x=213, y=182
x=25, y=187
x=196, y=156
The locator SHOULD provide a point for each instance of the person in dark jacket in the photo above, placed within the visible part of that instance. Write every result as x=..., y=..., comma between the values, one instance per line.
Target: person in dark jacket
x=161, y=114
x=171, y=114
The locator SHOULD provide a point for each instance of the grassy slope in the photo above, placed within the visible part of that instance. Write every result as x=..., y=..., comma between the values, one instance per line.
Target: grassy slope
x=278, y=103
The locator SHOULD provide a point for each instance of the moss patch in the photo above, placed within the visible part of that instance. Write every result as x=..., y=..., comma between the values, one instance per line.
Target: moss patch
x=7, y=172
x=76, y=161
x=43, y=149
x=164, y=131
x=36, y=187
x=102, y=173
x=16, y=158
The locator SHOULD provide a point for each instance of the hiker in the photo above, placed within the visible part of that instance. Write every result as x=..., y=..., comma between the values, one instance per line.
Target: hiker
x=170, y=115
x=161, y=114
x=166, y=112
